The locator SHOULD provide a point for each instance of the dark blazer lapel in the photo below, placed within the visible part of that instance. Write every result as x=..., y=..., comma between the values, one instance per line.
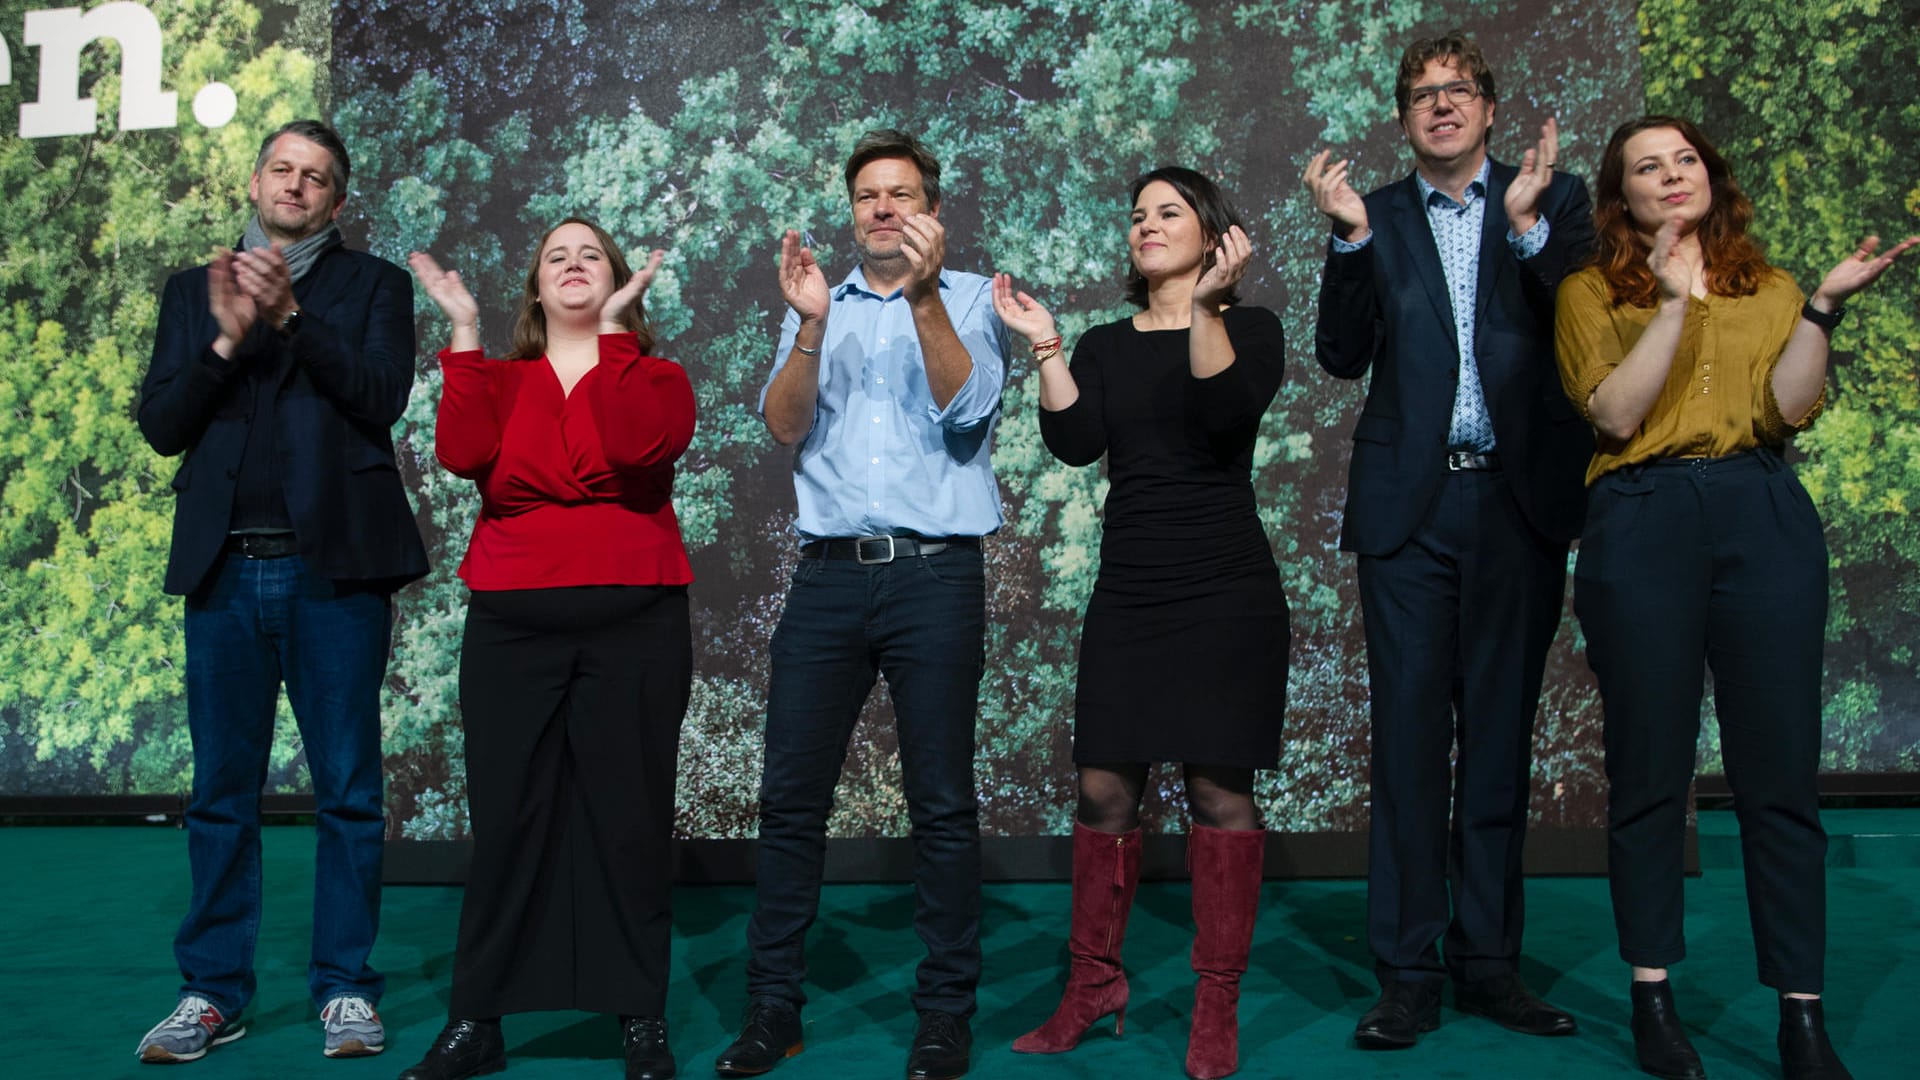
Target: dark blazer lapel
x=1416, y=235
x=331, y=277
x=1493, y=240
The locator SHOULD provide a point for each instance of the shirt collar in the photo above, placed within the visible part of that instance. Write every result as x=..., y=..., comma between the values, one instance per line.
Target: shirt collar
x=1476, y=188
x=856, y=282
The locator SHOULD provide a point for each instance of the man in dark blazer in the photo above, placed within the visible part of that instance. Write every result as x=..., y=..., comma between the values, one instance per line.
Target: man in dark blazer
x=277, y=373
x=1466, y=488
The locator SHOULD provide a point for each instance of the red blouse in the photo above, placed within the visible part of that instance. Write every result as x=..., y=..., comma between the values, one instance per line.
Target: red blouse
x=575, y=489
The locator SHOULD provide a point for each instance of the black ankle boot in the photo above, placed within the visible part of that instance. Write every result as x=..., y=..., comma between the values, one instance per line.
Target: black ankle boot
x=463, y=1048
x=1805, y=1051
x=1658, y=1039
x=644, y=1039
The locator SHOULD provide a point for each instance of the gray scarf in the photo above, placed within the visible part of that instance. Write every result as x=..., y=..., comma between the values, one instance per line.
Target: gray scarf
x=301, y=254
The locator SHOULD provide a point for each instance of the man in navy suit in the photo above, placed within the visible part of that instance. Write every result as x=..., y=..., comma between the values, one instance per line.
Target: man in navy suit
x=277, y=373
x=1466, y=488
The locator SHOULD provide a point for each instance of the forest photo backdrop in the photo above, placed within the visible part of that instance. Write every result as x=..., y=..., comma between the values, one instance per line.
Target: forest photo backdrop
x=708, y=129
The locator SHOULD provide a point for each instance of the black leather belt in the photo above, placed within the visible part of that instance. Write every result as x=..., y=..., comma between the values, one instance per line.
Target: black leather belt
x=1468, y=461
x=263, y=545
x=869, y=550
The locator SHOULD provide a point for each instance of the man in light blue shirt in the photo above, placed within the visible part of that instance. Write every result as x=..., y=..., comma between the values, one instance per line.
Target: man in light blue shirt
x=888, y=385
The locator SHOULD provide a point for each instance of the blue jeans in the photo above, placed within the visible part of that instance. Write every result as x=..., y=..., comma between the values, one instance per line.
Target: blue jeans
x=253, y=625
x=920, y=622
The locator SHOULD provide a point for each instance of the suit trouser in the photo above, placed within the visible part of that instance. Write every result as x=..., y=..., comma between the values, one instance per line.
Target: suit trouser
x=572, y=701
x=1458, y=621
x=1721, y=564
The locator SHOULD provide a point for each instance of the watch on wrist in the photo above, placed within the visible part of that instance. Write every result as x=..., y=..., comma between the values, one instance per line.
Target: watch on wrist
x=291, y=323
x=1825, y=320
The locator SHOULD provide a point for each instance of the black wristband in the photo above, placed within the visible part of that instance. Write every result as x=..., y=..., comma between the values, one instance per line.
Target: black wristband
x=1825, y=320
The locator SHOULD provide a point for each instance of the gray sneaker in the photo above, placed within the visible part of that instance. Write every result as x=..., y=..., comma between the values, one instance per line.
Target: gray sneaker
x=353, y=1028
x=194, y=1027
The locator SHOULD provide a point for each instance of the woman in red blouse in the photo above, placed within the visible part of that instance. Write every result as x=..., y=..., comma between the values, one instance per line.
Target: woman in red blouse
x=577, y=659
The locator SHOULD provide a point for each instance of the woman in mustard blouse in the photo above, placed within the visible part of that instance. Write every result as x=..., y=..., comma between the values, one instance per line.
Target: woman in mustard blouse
x=1695, y=361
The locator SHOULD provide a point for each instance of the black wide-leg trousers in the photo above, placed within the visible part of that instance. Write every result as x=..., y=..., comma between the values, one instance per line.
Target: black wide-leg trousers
x=1688, y=565
x=572, y=701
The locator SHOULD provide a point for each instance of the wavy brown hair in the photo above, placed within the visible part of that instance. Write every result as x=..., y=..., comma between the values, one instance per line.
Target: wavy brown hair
x=530, y=321
x=1735, y=265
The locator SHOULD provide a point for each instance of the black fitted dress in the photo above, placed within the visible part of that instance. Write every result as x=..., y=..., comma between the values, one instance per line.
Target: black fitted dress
x=1184, y=653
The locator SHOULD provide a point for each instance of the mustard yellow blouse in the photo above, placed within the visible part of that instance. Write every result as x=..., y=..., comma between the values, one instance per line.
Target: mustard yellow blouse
x=1719, y=393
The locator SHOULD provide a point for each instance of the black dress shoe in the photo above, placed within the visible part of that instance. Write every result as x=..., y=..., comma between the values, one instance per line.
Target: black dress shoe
x=769, y=1035
x=1659, y=1042
x=1506, y=1001
x=941, y=1043
x=1805, y=1051
x=1405, y=1009
x=463, y=1048
x=645, y=1041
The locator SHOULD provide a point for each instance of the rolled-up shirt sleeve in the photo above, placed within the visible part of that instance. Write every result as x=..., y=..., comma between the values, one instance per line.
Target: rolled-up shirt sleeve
x=985, y=338
x=1585, y=345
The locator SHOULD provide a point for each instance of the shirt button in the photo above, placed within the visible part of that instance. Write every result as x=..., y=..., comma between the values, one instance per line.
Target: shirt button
x=876, y=419
x=876, y=506
x=883, y=341
x=876, y=461
x=881, y=381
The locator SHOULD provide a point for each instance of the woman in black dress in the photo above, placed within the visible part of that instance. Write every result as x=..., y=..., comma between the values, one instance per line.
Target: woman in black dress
x=1184, y=652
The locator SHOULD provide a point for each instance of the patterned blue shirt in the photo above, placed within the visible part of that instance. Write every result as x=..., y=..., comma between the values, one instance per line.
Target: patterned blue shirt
x=881, y=456
x=1456, y=233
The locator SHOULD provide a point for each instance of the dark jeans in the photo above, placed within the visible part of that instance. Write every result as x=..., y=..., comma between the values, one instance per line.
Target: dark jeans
x=1458, y=622
x=1722, y=565
x=920, y=622
x=256, y=624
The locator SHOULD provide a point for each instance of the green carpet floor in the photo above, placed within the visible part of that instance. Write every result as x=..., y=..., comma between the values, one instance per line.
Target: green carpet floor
x=90, y=912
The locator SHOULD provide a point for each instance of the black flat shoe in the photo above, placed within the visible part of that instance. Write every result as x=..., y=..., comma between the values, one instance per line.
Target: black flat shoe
x=463, y=1048
x=1659, y=1042
x=942, y=1043
x=769, y=1035
x=645, y=1041
x=1805, y=1051
x=1505, y=1000
x=1405, y=1009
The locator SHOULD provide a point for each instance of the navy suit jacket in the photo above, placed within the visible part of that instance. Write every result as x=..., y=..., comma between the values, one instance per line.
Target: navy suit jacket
x=1386, y=308
x=351, y=370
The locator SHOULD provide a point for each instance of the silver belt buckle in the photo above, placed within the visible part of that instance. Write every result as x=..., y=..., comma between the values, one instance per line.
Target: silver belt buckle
x=860, y=550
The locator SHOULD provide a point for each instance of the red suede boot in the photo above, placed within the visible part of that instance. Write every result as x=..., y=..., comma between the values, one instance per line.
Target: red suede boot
x=1226, y=866
x=1106, y=869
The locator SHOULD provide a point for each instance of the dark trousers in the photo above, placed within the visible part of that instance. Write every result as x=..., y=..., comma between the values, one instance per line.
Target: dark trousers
x=256, y=624
x=572, y=701
x=919, y=621
x=1458, y=622
x=1715, y=564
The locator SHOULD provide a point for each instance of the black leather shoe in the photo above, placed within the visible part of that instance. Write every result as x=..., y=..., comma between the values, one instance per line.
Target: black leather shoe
x=941, y=1043
x=1405, y=1009
x=1506, y=1001
x=769, y=1035
x=463, y=1048
x=1805, y=1051
x=645, y=1041
x=1659, y=1042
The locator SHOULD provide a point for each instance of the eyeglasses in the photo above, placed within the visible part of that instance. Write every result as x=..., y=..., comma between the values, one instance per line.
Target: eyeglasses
x=1459, y=92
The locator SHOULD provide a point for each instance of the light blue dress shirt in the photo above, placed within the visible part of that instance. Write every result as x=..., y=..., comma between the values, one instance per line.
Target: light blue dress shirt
x=1456, y=233
x=881, y=457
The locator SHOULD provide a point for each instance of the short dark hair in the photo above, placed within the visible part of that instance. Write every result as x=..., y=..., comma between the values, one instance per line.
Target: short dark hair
x=1209, y=205
x=894, y=143
x=1456, y=48
x=313, y=131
